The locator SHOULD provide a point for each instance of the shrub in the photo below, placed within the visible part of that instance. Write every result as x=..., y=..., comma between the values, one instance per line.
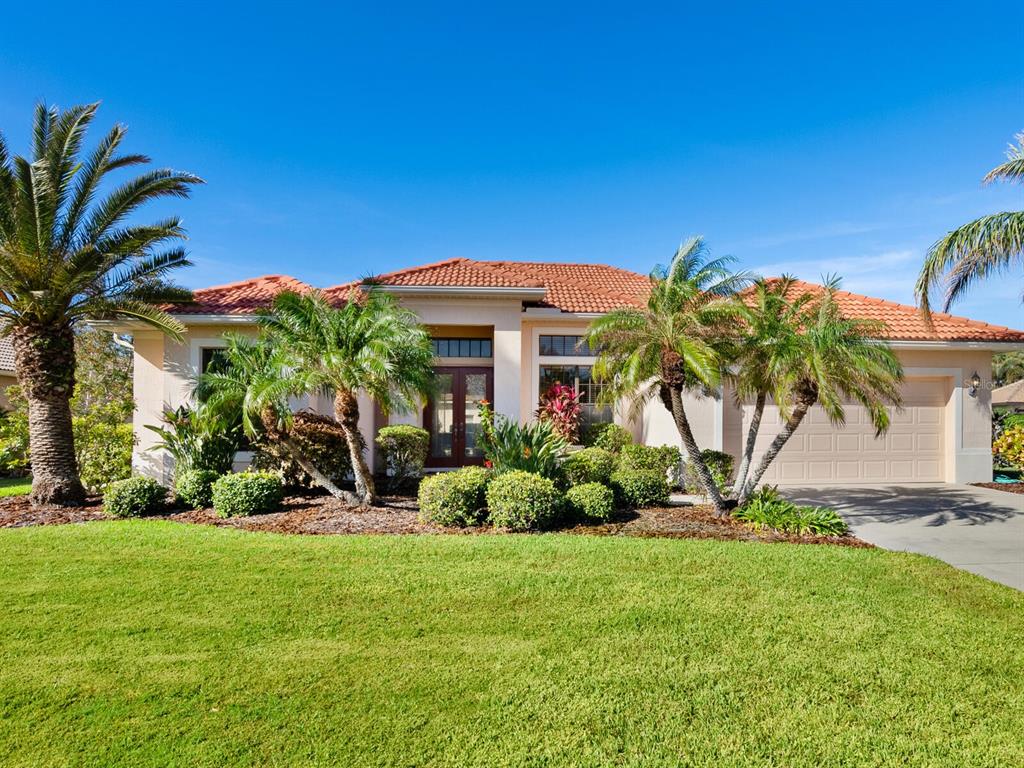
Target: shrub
x=721, y=466
x=611, y=437
x=198, y=438
x=247, y=493
x=592, y=501
x=590, y=465
x=404, y=449
x=134, y=497
x=767, y=509
x=194, y=487
x=522, y=501
x=103, y=451
x=636, y=488
x=658, y=458
x=536, y=448
x=560, y=405
x=1009, y=446
x=320, y=440
x=454, y=498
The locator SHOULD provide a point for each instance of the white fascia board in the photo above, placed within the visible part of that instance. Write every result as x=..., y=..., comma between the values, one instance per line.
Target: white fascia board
x=555, y=312
x=993, y=346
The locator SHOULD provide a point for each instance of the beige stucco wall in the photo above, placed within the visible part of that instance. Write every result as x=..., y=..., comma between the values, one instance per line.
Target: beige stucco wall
x=6, y=380
x=968, y=451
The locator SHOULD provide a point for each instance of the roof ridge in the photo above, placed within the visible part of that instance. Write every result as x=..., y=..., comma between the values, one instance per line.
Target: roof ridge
x=411, y=270
x=251, y=280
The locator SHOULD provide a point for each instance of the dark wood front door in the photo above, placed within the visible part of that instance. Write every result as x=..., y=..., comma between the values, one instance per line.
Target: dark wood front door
x=452, y=416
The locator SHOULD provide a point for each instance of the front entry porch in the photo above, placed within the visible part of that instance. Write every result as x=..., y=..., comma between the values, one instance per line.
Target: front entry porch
x=452, y=416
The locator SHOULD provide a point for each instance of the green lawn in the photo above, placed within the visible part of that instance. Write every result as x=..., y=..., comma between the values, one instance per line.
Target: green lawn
x=149, y=643
x=15, y=486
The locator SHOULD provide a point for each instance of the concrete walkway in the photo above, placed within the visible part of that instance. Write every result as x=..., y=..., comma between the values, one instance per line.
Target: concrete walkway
x=976, y=529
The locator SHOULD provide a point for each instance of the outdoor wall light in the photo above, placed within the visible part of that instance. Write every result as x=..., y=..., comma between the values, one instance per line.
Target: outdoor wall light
x=975, y=382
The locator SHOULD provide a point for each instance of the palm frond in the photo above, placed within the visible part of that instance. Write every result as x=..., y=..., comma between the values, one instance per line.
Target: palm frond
x=1013, y=169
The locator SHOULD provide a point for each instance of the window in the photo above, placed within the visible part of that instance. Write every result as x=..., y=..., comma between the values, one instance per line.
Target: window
x=580, y=378
x=207, y=355
x=565, y=346
x=462, y=347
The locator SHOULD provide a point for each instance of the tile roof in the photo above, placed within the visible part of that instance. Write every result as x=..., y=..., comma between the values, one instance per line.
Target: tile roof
x=583, y=288
x=904, y=322
x=245, y=297
x=1010, y=394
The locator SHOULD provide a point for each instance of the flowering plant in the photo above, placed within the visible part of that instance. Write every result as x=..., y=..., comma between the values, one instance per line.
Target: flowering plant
x=508, y=445
x=560, y=406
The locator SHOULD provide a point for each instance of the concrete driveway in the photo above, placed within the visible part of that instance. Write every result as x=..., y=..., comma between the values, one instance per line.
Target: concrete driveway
x=976, y=529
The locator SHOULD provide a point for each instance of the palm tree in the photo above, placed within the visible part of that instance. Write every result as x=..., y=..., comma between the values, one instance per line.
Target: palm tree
x=252, y=385
x=1008, y=367
x=981, y=248
x=837, y=358
x=765, y=353
x=66, y=256
x=678, y=343
x=369, y=343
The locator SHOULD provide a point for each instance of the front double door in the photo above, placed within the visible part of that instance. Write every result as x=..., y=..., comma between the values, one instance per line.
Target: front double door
x=452, y=416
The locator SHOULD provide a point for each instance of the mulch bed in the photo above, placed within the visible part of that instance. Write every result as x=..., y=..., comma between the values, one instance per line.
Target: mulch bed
x=1008, y=487
x=17, y=512
x=325, y=515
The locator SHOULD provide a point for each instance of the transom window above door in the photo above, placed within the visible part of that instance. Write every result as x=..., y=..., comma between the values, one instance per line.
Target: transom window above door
x=462, y=347
x=565, y=346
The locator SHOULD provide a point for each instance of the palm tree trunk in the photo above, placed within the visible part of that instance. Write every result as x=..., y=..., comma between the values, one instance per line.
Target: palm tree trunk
x=693, y=452
x=346, y=412
x=44, y=361
x=799, y=411
x=748, y=449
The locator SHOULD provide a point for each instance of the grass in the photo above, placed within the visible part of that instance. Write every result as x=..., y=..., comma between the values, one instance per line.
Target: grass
x=15, y=486
x=150, y=643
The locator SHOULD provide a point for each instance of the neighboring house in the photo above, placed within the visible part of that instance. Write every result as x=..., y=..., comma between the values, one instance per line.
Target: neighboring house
x=506, y=330
x=7, y=375
x=1010, y=396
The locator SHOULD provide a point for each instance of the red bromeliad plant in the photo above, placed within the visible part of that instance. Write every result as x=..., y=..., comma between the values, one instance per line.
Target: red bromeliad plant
x=561, y=406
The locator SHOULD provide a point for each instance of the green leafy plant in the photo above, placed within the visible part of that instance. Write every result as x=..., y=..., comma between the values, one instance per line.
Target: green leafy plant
x=592, y=501
x=247, y=493
x=194, y=487
x=404, y=448
x=103, y=451
x=522, y=501
x=134, y=497
x=610, y=437
x=536, y=447
x=590, y=465
x=321, y=443
x=454, y=498
x=720, y=465
x=766, y=508
x=1009, y=447
x=638, y=488
x=199, y=438
x=660, y=458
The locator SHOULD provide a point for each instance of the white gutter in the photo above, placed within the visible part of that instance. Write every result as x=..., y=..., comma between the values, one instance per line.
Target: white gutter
x=994, y=346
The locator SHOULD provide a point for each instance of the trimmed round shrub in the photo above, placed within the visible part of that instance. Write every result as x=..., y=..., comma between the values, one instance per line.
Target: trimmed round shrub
x=194, y=487
x=247, y=493
x=720, y=464
x=454, y=498
x=591, y=501
x=611, y=437
x=637, y=488
x=666, y=459
x=134, y=497
x=522, y=501
x=404, y=448
x=591, y=465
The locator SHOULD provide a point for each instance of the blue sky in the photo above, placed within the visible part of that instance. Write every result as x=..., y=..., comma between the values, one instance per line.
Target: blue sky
x=339, y=141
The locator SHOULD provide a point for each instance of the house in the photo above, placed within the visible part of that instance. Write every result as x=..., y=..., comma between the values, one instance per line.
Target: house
x=1009, y=397
x=506, y=330
x=8, y=378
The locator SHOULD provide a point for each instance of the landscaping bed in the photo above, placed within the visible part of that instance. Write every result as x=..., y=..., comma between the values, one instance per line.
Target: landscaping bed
x=1007, y=487
x=311, y=514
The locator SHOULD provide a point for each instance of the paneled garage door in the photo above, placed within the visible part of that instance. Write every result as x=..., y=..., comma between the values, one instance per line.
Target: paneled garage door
x=911, y=451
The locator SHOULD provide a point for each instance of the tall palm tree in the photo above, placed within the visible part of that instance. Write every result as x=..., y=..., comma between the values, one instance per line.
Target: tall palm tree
x=768, y=345
x=983, y=247
x=369, y=343
x=678, y=343
x=252, y=385
x=1008, y=367
x=66, y=255
x=838, y=358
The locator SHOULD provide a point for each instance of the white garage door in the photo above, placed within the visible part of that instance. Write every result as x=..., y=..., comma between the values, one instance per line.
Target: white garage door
x=912, y=451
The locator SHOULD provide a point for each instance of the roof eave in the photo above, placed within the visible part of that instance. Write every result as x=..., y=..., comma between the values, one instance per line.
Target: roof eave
x=981, y=345
x=524, y=294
